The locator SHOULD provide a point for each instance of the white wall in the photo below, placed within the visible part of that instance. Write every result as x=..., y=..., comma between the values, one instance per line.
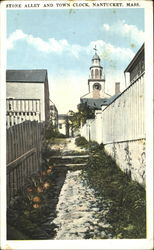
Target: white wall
x=130, y=157
x=121, y=128
x=20, y=110
x=124, y=119
x=27, y=91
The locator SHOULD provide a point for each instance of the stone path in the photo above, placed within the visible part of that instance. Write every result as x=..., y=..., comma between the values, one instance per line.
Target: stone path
x=77, y=209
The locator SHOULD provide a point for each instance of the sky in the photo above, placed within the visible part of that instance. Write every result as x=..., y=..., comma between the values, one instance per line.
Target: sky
x=62, y=41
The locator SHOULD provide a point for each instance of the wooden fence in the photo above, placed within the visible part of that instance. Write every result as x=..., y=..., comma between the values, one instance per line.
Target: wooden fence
x=23, y=154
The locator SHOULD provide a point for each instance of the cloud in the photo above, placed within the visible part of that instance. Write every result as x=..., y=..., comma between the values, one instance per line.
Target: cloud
x=74, y=82
x=63, y=46
x=50, y=46
x=15, y=36
x=109, y=53
x=121, y=28
x=106, y=26
x=112, y=55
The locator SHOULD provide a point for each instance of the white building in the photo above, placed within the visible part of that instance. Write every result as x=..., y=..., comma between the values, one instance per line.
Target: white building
x=62, y=121
x=97, y=97
x=27, y=95
x=65, y=124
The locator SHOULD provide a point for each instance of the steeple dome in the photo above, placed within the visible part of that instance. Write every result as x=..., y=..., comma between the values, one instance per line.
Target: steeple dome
x=96, y=57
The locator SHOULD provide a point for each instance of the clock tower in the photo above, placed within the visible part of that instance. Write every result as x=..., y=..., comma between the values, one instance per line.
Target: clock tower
x=96, y=81
x=96, y=96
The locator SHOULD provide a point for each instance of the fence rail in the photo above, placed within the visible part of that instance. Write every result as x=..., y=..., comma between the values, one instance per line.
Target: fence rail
x=23, y=154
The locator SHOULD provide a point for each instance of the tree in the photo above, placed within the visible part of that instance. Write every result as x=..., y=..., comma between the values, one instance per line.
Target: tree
x=84, y=112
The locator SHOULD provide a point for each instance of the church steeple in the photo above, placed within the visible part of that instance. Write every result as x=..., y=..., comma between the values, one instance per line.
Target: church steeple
x=96, y=69
x=97, y=78
x=96, y=97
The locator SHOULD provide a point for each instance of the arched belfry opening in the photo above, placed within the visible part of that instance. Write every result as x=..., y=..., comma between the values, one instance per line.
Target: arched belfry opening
x=96, y=74
x=96, y=96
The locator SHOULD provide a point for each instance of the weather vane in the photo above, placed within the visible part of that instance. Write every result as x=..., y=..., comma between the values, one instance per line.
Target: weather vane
x=95, y=48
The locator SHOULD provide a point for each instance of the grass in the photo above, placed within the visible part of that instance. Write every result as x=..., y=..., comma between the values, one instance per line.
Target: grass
x=126, y=212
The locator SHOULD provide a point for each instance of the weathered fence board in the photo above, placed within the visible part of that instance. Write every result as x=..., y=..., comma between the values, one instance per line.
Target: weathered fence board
x=121, y=128
x=23, y=154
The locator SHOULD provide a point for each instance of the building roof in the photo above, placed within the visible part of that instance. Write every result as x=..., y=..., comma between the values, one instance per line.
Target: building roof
x=90, y=95
x=35, y=75
x=96, y=57
x=131, y=64
x=98, y=103
x=95, y=103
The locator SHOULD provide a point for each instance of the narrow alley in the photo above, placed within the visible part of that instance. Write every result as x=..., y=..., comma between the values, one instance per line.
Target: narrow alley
x=77, y=209
x=79, y=194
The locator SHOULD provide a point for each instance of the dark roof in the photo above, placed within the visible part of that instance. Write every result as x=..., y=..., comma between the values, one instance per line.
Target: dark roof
x=141, y=50
x=98, y=103
x=35, y=75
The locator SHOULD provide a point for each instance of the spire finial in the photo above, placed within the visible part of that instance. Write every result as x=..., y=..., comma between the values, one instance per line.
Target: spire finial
x=95, y=48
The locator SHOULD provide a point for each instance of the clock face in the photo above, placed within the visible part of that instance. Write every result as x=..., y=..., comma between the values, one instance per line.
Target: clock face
x=97, y=86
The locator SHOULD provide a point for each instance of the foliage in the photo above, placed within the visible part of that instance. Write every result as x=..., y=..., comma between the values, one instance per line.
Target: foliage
x=52, y=132
x=81, y=141
x=13, y=233
x=31, y=208
x=84, y=112
x=124, y=198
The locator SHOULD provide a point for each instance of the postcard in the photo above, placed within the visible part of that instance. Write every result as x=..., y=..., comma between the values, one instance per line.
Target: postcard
x=76, y=124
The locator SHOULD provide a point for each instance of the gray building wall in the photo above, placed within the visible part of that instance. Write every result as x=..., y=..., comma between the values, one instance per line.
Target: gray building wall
x=27, y=91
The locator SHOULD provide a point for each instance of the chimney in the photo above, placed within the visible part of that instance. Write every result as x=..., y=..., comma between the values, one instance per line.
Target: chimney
x=117, y=88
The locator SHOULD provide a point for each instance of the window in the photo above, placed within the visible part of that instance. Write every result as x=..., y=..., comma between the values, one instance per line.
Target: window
x=10, y=106
x=96, y=74
x=60, y=126
x=97, y=86
x=92, y=74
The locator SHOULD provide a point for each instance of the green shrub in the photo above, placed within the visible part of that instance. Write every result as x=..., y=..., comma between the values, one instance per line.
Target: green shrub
x=81, y=141
x=127, y=210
